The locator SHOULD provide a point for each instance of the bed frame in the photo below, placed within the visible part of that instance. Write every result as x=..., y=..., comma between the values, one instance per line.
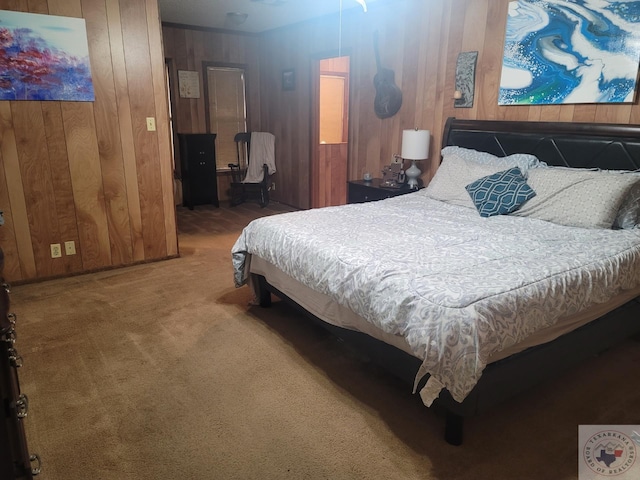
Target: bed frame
x=577, y=145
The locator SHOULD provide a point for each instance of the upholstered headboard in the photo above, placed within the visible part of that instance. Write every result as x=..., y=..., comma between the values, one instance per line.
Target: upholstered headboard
x=578, y=145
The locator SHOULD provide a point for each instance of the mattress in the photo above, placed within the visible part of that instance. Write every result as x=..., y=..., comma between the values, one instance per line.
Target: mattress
x=457, y=288
x=324, y=308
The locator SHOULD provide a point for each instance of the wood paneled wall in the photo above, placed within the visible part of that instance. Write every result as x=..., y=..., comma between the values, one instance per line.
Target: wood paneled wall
x=192, y=48
x=419, y=39
x=90, y=172
x=189, y=49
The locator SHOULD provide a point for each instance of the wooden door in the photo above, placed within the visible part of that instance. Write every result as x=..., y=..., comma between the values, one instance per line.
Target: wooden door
x=329, y=152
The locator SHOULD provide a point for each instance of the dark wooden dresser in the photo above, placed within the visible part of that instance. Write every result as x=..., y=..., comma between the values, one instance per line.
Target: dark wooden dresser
x=15, y=461
x=198, y=169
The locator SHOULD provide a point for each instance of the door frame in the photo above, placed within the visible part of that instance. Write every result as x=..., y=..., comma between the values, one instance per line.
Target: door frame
x=314, y=170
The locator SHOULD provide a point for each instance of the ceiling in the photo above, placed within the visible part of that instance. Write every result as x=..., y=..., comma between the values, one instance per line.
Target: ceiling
x=262, y=15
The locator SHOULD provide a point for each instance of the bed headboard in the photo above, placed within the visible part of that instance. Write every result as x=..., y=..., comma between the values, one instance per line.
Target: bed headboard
x=578, y=145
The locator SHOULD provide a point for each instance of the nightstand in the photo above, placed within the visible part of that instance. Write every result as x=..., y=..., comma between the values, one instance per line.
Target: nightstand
x=360, y=191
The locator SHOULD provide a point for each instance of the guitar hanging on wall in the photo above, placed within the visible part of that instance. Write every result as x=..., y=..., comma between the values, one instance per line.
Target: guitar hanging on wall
x=388, y=95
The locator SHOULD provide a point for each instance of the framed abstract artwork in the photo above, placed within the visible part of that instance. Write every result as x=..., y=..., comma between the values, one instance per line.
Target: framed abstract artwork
x=44, y=57
x=570, y=52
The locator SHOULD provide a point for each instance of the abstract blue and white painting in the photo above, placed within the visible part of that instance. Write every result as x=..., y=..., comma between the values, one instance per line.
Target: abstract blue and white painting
x=44, y=57
x=570, y=51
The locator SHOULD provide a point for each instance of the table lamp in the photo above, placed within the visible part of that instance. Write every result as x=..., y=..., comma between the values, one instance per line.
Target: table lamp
x=415, y=147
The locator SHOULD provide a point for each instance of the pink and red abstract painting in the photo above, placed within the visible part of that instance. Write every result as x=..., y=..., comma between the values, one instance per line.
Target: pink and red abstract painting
x=44, y=57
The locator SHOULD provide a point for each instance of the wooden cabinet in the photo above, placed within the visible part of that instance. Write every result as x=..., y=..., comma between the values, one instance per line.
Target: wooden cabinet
x=360, y=191
x=15, y=461
x=198, y=169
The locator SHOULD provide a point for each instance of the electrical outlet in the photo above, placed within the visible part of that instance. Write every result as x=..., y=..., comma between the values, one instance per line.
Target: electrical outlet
x=151, y=124
x=56, y=251
x=70, y=247
x=273, y=186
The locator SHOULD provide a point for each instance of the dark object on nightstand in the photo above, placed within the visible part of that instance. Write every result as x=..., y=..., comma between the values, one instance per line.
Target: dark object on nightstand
x=360, y=191
x=15, y=461
x=198, y=169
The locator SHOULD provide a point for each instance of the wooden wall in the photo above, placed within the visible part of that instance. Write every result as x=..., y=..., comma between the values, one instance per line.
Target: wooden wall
x=189, y=49
x=192, y=48
x=420, y=40
x=90, y=172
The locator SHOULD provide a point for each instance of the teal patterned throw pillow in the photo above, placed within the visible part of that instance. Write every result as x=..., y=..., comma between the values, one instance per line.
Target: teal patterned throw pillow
x=500, y=193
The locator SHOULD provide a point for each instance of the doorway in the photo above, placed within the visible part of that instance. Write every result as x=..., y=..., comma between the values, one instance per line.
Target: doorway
x=330, y=131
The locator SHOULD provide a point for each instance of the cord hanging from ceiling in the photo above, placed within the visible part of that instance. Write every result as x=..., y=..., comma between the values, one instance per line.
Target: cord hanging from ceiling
x=363, y=4
x=340, y=32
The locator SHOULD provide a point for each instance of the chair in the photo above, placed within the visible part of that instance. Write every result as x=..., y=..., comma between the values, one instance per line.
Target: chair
x=241, y=191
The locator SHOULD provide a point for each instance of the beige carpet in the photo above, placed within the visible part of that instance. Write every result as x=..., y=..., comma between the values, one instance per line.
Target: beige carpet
x=163, y=371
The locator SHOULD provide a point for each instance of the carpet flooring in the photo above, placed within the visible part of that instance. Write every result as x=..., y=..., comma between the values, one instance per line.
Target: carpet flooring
x=165, y=371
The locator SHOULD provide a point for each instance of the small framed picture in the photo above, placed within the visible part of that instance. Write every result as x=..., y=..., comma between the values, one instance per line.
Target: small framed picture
x=288, y=80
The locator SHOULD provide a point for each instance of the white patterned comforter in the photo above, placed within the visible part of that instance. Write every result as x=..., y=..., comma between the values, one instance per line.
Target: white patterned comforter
x=456, y=286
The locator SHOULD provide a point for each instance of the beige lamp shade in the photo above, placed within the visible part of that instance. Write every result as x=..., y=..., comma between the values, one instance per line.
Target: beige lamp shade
x=415, y=144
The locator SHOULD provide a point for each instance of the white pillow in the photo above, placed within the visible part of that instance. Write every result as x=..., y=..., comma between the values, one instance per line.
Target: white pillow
x=576, y=197
x=523, y=161
x=453, y=175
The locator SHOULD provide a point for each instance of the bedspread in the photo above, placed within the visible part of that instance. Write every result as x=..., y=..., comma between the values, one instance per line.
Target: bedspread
x=456, y=286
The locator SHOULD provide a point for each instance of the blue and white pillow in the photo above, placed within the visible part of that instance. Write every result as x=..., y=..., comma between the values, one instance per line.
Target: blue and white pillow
x=500, y=193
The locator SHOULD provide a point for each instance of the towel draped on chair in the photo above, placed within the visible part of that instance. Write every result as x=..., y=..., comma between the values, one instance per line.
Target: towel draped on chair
x=262, y=152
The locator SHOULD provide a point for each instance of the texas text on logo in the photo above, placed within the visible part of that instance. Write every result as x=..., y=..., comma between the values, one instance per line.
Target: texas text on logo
x=609, y=452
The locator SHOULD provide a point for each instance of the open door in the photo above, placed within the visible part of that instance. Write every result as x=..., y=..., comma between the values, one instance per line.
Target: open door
x=330, y=131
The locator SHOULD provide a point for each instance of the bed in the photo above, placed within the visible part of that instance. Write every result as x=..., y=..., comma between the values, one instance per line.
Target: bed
x=469, y=298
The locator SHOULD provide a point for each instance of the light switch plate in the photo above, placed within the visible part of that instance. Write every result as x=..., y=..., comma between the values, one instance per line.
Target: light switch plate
x=151, y=124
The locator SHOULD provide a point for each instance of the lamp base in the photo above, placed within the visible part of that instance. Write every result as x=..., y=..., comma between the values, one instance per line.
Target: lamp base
x=412, y=173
